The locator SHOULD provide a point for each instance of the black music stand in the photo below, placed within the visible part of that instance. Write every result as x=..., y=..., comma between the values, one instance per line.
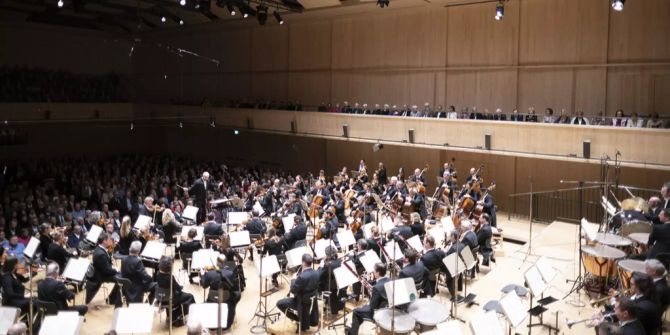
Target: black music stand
x=261, y=313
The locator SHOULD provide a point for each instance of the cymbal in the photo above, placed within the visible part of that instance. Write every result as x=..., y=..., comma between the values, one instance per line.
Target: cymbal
x=635, y=203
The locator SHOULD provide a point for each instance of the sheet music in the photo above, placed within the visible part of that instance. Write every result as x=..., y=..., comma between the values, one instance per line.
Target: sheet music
x=8, y=316
x=288, y=222
x=200, y=232
x=344, y=277
x=452, y=327
x=320, y=247
x=513, y=309
x=31, y=248
x=142, y=222
x=546, y=270
x=405, y=291
x=450, y=262
x=485, y=323
x=468, y=257
x=205, y=314
x=190, y=213
x=270, y=266
x=392, y=248
x=76, y=269
x=153, y=250
x=367, y=229
x=415, y=243
x=535, y=281
x=93, y=234
x=134, y=319
x=237, y=217
x=447, y=223
x=204, y=258
x=439, y=235
x=294, y=256
x=64, y=323
x=369, y=258
x=387, y=224
x=239, y=238
x=258, y=208
x=586, y=227
x=345, y=238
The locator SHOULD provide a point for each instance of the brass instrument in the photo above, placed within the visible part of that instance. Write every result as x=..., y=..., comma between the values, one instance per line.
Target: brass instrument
x=597, y=302
x=361, y=279
x=571, y=323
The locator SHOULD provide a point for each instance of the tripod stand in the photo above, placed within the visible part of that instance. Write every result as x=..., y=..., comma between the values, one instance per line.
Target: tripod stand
x=578, y=283
x=261, y=311
x=529, y=251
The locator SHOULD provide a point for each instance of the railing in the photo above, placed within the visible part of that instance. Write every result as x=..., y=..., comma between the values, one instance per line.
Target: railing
x=574, y=203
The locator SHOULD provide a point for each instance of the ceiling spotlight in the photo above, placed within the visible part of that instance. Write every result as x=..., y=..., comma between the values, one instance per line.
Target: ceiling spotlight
x=132, y=126
x=617, y=5
x=182, y=2
x=163, y=19
x=212, y=124
x=377, y=146
x=383, y=3
x=262, y=15
x=181, y=22
x=278, y=17
x=181, y=124
x=500, y=11
x=60, y=3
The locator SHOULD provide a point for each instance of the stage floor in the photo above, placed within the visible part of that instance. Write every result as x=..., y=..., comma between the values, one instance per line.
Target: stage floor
x=556, y=241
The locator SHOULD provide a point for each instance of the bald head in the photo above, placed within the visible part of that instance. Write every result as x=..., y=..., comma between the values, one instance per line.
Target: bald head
x=205, y=176
x=52, y=270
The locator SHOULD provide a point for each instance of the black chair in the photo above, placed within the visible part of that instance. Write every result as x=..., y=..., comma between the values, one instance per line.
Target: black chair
x=209, y=238
x=162, y=300
x=123, y=282
x=213, y=295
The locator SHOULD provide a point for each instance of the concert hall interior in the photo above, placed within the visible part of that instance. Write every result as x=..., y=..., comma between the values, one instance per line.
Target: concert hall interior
x=334, y=167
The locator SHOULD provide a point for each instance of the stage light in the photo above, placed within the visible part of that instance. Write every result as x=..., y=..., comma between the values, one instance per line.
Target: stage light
x=181, y=124
x=383, y=3
x=377, y=146
x=132, y=126
x=181, y=22
x=246, y=10
x=262, y=15
x=230, y=7
x=236, y=132
x=617, y=5
x=278, y=18
x=60, y=4
x=500, y=11
x=163, y=19
x=182, y=2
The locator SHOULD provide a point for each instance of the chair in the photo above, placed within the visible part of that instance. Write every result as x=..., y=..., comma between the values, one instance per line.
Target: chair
x=213, y=295
x=44, y=308
x=300, y=243
x=434, y=276
x=209, y=238
x=186, y=258
x=123, y=282
x=162, y=301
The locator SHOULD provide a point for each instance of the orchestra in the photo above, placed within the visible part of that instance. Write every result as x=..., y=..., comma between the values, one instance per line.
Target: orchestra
x=285, y=213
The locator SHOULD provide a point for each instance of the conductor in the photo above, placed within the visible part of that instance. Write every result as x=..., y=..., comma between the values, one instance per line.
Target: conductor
x=199, y=189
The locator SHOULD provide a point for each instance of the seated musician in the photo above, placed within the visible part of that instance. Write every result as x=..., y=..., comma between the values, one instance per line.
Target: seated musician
x=659, y=239
x=361, y=246
x=132, y=268
x=656, y=270
x=648, y=310
x=273, y=246
x=377, y=300
x=75, y=237
x=298, y=233
x=415, y=269
x=213, y=278
x=45, y=239
x=170, y=226
x=189, y=245
x=328, y=282
x=418, y=202
x=330, y=226
x=489, y=207
x=52, y=289
x=12, y=280
x=303, y=288
x=295, y=207
x=627, y=313
x=468, y=236
x=375, y=239
x=654, y=210
x=432, y=260
x=255, y=225
x=180, y=299
x=319, y=189
x=417, y=225
x=339, y=208
x=103, y=272
x=212, y=227
x=456, y=246
x=223, y=246
x=418, y=177
x=126, y=236
x=56, y=251
x=484, y=236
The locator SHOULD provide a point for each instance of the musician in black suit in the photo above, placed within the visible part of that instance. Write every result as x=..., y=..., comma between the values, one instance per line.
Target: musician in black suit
x=299, y=232
x=303, y=288
x=339, y=208
x=656, y=270
x=659, y=239
x=456, y=246
x=13, y=291
x=45, y=239
x=646, y=303
x=489, y=207
x=273, y=246
x=189, y=245
x=213, y=278
x=418, y=228
x=57, y=253
x=418, y=177
x=103, y=272
x=180, y=299
x=212, y=227
x=654, y=210
x=199, y=189
x=665, y=195
x=484, y=236
x=415, y=270
x=381, y=174
x=133, y=269
x=328, y=282
x=255, y=225
x=377, y=300
x=418, y=202
x=148, y=209
x=53, y=290
x=627, y=313
x=432, y=260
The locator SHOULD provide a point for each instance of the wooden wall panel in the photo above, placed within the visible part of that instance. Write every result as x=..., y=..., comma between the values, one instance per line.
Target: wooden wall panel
x=629, y=89
x=661, y=93
x=482, y=89
x=270, y=86
x=559, y=32
x=269, y=48
x=344, y=55
x=590, y=90
x=311, y=88
x=475, y=38
x=309, y=45
x=235, y=86
x=370, y=88
x=545, y=88
x=235, y=49
x=641, y=32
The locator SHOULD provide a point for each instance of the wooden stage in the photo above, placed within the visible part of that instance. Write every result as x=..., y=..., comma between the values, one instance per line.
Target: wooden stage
x=557, y=241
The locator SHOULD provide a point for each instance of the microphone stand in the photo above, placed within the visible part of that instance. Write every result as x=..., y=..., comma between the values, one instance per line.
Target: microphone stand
x=30, y=302
x=454, y=309
x=529, y=251
x=170, y=303
x=579, y=282
x=393, y=294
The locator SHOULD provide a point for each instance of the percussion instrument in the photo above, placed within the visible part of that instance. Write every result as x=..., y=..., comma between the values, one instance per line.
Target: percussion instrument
x=626, y=269
x=613, y=240
x=635, y=226
x=600, y=265
x=402, y=322
x=428, y=313
x=640, y=240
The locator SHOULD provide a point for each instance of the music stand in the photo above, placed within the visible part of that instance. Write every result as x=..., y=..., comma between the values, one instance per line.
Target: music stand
x=153, y=251
x=415, y=243
x=512, y=309
x=75, y=271
x=203, y=258
x=134, y=319
x=8, y=315
x=320, y=248
x=537, y=285
x=92, y=235
x=470, y=263
x=206, y=314
x=191, y=214
x=439, y=234
x=63, y=323
x=400, y=291
x=29, y=256
x=266, y=267
x=239, y=239
x=392, y=248
x=369, y=258
x=484, y=323
x=455, y=266
x=142, y=222
x=258, y=208
x=199, y=230
x=288, y=222
x=236, y=218
x=345, y=238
